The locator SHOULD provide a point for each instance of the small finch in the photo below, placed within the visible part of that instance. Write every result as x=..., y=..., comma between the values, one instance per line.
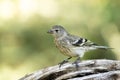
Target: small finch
x=71, y=45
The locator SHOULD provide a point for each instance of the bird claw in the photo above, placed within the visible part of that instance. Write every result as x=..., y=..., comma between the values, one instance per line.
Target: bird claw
x=63, y=62
x=76, y=63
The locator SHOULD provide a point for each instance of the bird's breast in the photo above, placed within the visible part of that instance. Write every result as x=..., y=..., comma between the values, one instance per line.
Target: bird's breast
x=64, y=48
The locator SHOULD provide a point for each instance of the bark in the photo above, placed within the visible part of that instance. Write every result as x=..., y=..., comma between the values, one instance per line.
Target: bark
x=87, y=70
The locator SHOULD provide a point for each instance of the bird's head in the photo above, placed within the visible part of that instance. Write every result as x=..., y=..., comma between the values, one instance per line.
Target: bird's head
x=57, y=31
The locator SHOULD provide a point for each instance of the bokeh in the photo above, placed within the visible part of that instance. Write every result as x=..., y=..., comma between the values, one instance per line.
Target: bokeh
x=26, y=47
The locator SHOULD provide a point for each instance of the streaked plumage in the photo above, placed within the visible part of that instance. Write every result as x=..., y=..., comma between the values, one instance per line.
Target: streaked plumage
x=71, y=45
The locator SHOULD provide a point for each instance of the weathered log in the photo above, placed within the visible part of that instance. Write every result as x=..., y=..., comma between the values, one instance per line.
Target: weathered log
x=87, y=70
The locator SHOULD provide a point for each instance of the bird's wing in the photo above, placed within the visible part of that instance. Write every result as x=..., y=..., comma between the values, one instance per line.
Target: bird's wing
x=82, y=42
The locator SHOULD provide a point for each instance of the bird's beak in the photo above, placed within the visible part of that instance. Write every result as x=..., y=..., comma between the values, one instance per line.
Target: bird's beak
x=50, y=32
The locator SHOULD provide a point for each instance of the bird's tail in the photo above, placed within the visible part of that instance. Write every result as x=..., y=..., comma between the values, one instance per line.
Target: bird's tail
x=103, y=47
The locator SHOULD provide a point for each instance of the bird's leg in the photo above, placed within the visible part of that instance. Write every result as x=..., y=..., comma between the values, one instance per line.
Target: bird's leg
x=76, y=62
x=64, y=61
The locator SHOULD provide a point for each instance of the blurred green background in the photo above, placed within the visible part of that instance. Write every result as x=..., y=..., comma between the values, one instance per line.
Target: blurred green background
x=26, y=47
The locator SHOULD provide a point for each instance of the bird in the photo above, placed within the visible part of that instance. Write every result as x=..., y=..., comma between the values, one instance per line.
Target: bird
x=72, y=45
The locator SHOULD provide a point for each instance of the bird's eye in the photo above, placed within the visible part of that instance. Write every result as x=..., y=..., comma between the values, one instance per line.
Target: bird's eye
x=56, y=30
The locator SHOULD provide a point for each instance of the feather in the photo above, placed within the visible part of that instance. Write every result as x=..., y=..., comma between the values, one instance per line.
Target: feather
x=102, y=47
x=79, y=42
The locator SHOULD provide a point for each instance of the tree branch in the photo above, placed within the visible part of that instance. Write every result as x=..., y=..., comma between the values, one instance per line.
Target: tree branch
x=88, y=70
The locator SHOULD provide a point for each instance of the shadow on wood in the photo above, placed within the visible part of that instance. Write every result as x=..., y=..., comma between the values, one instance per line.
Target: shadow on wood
x=88, y=70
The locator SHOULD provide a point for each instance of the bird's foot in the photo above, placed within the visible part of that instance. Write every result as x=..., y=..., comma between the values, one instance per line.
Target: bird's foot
x=64, y=61
x=76, y=63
